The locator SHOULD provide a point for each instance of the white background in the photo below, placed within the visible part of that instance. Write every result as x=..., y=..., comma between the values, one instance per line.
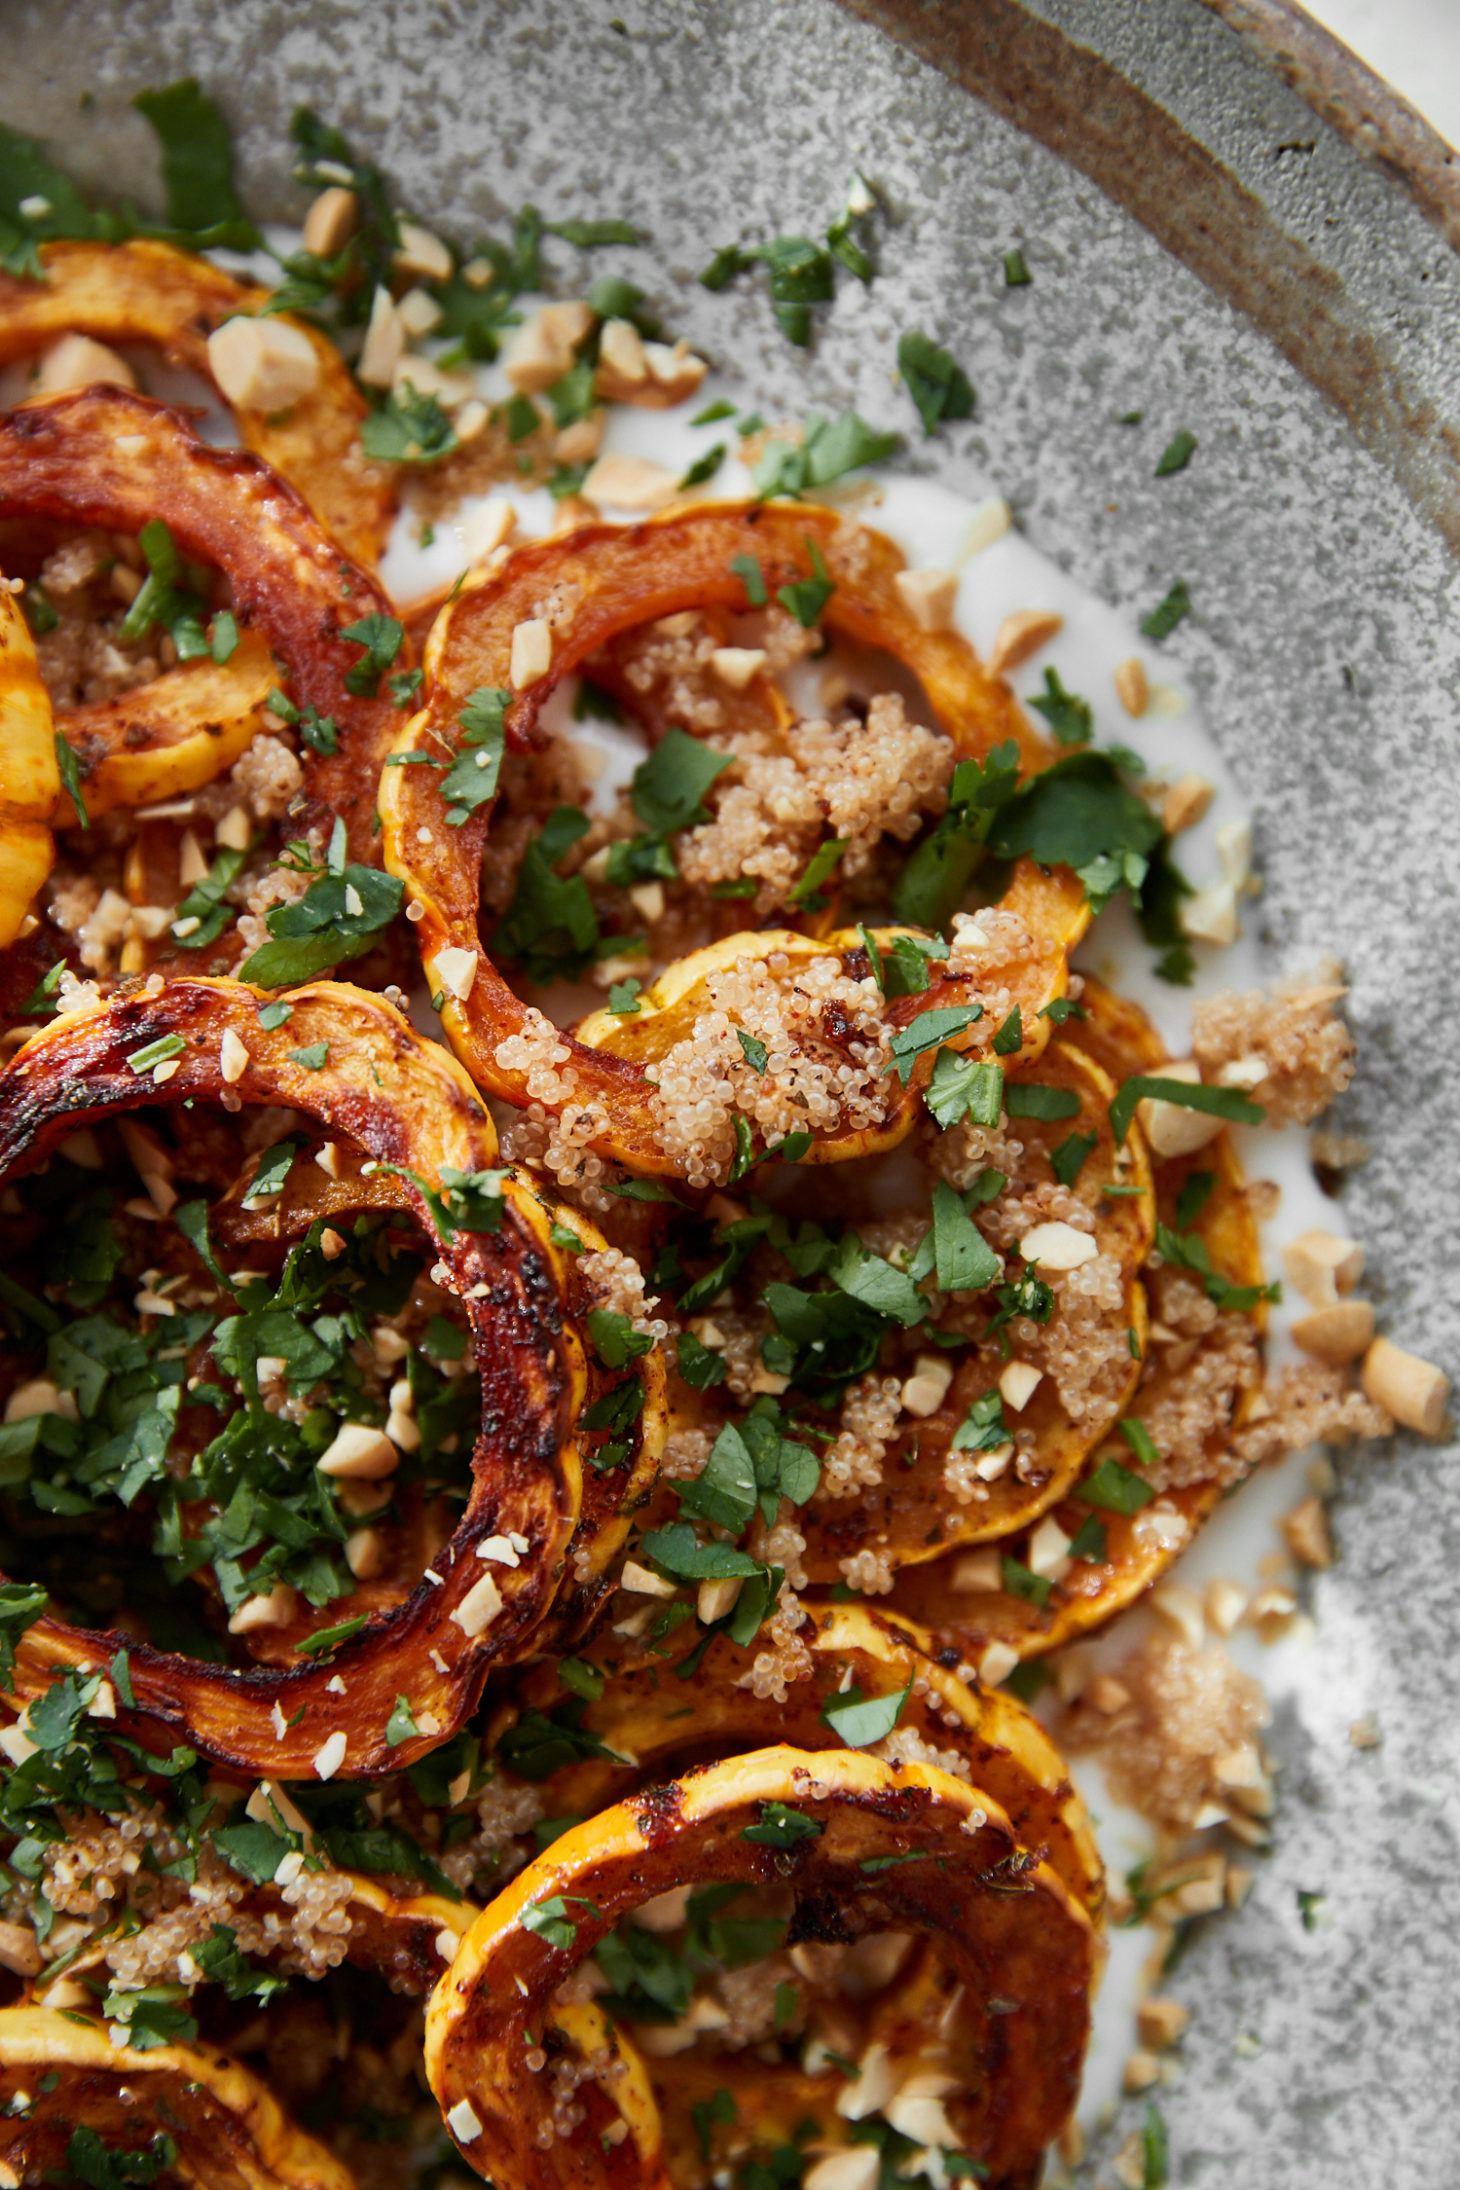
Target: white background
x=1415, y=43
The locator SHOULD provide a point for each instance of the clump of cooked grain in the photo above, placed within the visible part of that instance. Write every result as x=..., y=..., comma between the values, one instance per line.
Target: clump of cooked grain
x=1308, y=1405
x=826, y=1044
x=853, y=1461
x=1188, y=1708
x=1295, y=1035
x=618, y=1282
x=1199, y=1363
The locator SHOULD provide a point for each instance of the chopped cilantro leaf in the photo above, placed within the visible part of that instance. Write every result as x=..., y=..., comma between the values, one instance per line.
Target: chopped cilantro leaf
x=1070, y=718
x=1161, y=621
x=862, y=1721
x=1177, y=454
x=939, y=387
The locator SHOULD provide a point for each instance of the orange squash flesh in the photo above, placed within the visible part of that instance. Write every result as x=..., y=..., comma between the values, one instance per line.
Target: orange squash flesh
x=641, y=1714
x=225, y=2125
x=29, y=777
x=1021, y=1948
x=404, y=1101
x=150, y=292
x=105, y=457
x=602, y=580
x=1123, y=1041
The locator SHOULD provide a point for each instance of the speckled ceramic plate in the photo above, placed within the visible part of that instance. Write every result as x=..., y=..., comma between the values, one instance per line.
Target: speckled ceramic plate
x=1232, y=229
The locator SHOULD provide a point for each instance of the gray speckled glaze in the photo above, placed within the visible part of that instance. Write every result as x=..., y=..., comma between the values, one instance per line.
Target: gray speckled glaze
x=1325, y=642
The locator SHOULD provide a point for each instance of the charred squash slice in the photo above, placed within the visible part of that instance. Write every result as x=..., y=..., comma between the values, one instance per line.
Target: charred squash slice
x=105, y=457
x=149, y=292
x=226, y=2130
x=642, y=1714
x=1015, y=1952
x=593, y=584
x=29, y=777
x=1130, y=1535
x=405, y=1103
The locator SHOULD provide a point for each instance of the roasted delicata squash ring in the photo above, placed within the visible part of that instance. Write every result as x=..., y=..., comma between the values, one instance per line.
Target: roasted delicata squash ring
x=105, y=457
x=404, y=1101
x=219, y=2119
x=641, y=1714
x=1141, y=1544
x=616, y=578
x=29, y=777
x=171, y=736
x=913, y=1515
x=1011, y=1939
x=149, y=292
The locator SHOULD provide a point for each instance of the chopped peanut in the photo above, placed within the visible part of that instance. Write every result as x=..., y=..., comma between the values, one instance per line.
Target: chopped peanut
x=331, y=221
x=1021, y=635
x=1132, y=686
x=928, y=596
x=1338, y=1334
x=1161, y=2022
x=1185, y=802
x=78, y=362
x=1415, y=1392
x=262, y=364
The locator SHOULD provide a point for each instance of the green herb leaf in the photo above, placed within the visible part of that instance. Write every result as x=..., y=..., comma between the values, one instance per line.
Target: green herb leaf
x=1177, y=454
x=668, y=787
x=1069, y=1159
x=1216, y=1102
x=929, y=1031
x=752, y=577
x=939, y=387
x=408, y=428
x=862, y=1721
x=381, y=637
x=964, y=1087
x=197, y=155
x=1035, y=1099
x=340, y=916
x=1161, y=621
x=1114, y=1489
x=1016, y=273
x=1070, y=718
x=757, y=1056
x=614, y=1339
x=70, y=772
x=677, y=1550
x=704, y=467
x=780, y=1825
x=807, y=598
x=623, y=998
x=805, y=895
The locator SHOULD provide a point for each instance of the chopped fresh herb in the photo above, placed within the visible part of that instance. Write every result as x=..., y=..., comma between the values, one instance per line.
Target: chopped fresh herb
x=1020, y=1581
x=1196, y=1192
x=700, y=1365
x=340, y=916
x=1161, y=621
x=1010, y=1036
x=551, y=1921
x=1088, y=1541
x=329, y=1638
x=408, y=428
x=1216, y=1102
x=713, y=413
x=806, y=894
x=983, y=1428
x=1114, y=1489
x=1188, y=1251
x=1070, y=718
x=401, y=1725
x=319, y=732
x=964, y=1087
x=615, y=1341
x=1016, y=273
x=752, y=577
x=757, y=1056
x=929, y=1031
x=223, y=636
x=937, y=876
x=70, y=772
x=587, y=235
x=203, y=914
x=704, y=467
x=1063, y=1008
x=314, y=1058
x=807, y=598
x=1155, y=2152
x=679, y=1552
x=668, y=787
x=781, y=1826
x=1069, y=1159
x=197, y=157
x=271, y=1171
x=1141, y=1442
x=472, y=780
x=1177, y=454
x=954, y=1247
x=550, y=925
x=828, y=449
x=381, y=637
x=939, y=387
x=166, y=1047
x=862, y=1721
x=623, y=998
x=1035, y=1099
x=1310, y=1908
